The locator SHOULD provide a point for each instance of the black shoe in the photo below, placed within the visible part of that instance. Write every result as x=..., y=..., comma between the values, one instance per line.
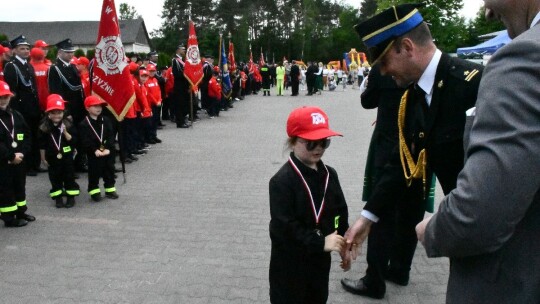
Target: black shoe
x=159, y=127
x=231, y=106
x=70, y=201
x=395, y=277
x=16, y=222
x=157, y=140
x=112, y=195
x=59, y=202
x=151, y=142
x=139, y=152
x=26, y=217
x=128, y=160
x=31, y=172
x=359, y=287
x=161, y=124
x=183, y=126
x=133, y=157
x=96, y=197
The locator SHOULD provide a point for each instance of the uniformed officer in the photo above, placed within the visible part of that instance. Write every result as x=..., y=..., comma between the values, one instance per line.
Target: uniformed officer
x=266, y=78
x=14, y=146
x=431, y=122
x=20, y=76
x=181, y=91
x=65, y=80
x=208, y=68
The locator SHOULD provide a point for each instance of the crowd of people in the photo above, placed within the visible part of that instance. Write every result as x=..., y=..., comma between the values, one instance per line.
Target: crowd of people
x=70, y=132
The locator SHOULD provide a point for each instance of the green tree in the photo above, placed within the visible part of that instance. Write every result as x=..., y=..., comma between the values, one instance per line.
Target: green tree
x=447, y=26
x=480, y=26
x=368, y=8
x=128, y=12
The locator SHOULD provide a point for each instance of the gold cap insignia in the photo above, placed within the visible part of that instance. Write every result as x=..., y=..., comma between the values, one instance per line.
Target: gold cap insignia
x=440, y=84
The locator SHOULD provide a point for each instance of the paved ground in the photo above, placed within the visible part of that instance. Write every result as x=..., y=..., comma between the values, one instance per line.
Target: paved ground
x=191, y=225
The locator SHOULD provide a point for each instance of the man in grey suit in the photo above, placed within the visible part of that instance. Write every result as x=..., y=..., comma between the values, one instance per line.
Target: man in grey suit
x=489, y=225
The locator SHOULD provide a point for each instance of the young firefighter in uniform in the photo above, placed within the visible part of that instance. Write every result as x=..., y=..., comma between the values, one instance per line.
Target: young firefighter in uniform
x=14, y=145
x=97, y=140
x=56, y=144
x=154, y=99
x=308, y=213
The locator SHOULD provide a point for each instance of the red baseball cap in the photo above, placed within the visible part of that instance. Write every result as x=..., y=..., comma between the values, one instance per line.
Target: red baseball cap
x=55, y=102
x=309, y=123
x=143, y=72
x=41, y=44
x=150, y=67
x=93, y=101
x=133, y=67
x=37, y=53
x=83, y=61
x=4, y=89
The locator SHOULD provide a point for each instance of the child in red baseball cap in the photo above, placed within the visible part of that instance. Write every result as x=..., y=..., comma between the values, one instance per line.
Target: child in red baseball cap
x=56, y=144
x=97, y=141
x=308, y=212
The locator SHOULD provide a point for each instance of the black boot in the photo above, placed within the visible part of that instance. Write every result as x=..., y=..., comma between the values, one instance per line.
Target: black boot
x=59, y=202
x=70, y=202
x=15, y=222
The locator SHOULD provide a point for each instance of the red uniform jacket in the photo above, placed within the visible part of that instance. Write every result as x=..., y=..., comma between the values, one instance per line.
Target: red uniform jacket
x=154, y=91
x=214, y=89
x=41, y=68
x=85, y=81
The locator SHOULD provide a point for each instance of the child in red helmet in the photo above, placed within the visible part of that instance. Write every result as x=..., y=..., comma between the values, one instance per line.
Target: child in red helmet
x=97, y=141
x=56, y=144
x=308, y=213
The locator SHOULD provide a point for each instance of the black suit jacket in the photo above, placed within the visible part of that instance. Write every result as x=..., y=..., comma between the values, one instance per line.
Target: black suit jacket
x=438, y=129
x=383, y=93
x=24, y=88
x=65, y=81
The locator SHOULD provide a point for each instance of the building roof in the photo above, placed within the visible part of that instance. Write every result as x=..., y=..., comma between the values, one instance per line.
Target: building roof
x=80, y=32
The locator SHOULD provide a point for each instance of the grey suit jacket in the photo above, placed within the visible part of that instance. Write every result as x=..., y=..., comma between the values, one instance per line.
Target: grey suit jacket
x=489, y=225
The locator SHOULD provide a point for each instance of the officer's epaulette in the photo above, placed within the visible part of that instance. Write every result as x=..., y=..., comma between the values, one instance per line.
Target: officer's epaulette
x=465, y=70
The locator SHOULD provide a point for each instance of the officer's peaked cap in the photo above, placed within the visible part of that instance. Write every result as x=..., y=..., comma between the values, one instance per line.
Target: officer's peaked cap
x=20, y=40
x=379, y=32
x=66, y=45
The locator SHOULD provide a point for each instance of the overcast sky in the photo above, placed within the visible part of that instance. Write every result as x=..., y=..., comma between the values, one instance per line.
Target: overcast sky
x=69, y=10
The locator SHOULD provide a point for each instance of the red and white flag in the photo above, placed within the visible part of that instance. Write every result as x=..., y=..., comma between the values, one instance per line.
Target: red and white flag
x=193, y=68
x=261, y=60
x=232, y=62
x=111, y=80
x=251, y=65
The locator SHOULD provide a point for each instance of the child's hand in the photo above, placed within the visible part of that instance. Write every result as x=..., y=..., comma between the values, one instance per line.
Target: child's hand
x=334, y=242
x=18, y=158
x=98, y=153
x=106, y=152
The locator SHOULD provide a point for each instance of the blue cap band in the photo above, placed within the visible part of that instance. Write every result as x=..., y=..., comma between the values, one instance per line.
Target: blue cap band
x=397, y=29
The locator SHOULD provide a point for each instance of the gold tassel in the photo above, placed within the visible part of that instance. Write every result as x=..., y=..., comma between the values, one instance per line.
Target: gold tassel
x=411, y=169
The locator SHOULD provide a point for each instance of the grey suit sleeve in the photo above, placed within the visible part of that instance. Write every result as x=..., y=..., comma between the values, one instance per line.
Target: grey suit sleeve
x=502, y=171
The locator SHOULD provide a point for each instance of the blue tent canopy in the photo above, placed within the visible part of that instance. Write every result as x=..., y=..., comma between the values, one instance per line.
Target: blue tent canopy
x=487, y=47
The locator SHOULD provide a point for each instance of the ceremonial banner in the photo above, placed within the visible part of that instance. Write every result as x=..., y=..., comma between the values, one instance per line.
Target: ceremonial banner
x=111, y=80
x=225, y=78
x=251, y=65
x=232, y=62
x=261, y=60
x=193, y=69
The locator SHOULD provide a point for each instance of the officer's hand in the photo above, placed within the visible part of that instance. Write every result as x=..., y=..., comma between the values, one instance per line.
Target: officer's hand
x=345, y=260
x=98, y=153
x=356, y=235
x=334, y=242
x=106, y=152
x=421, y=230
